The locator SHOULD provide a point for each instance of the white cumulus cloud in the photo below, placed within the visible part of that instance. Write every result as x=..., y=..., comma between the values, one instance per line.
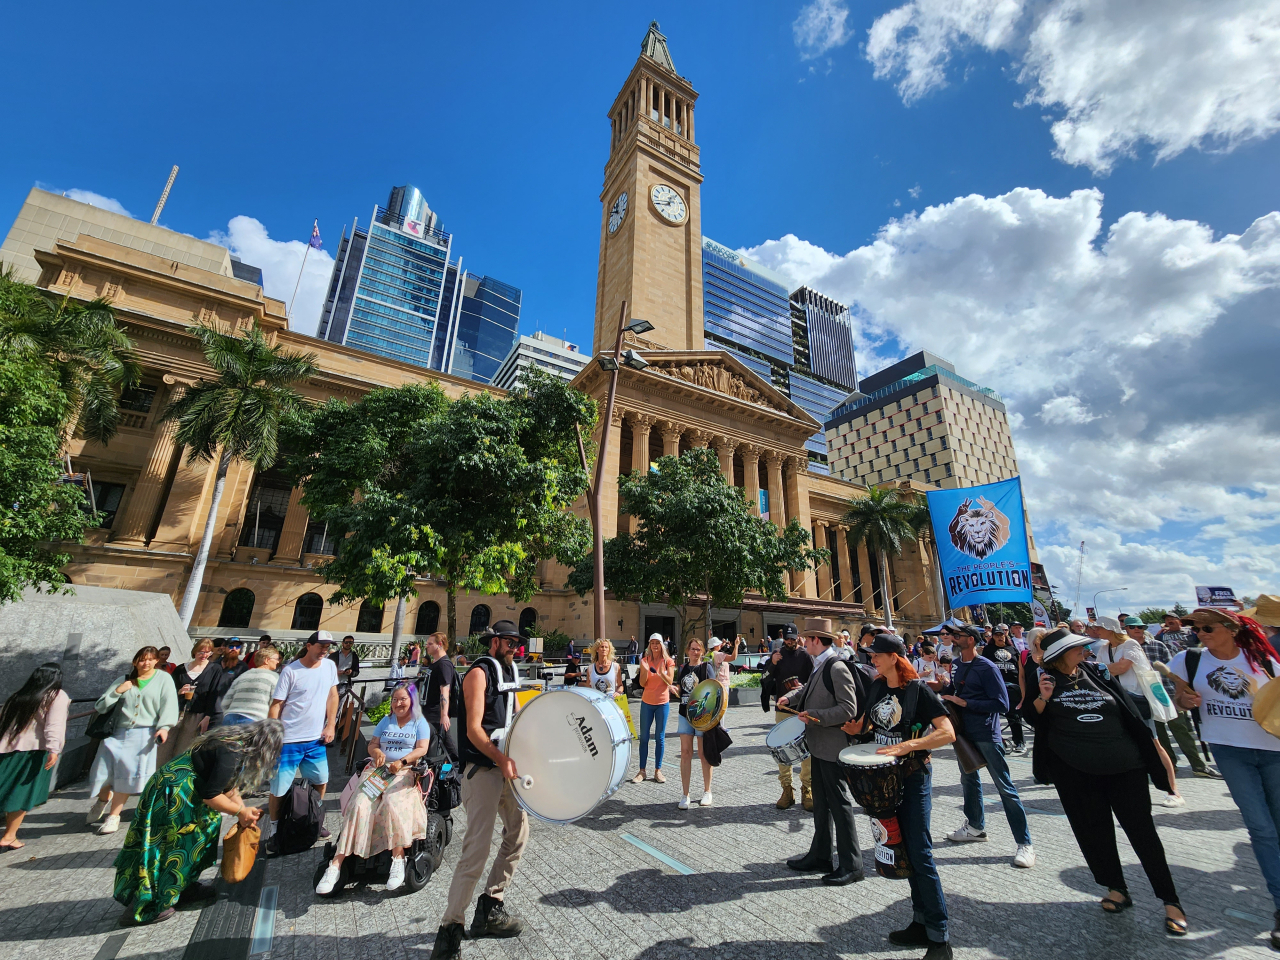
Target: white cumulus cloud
x=1115, y=74
x=821, y=26
x=1133, y=361
x=97, y=200
x=280, y=261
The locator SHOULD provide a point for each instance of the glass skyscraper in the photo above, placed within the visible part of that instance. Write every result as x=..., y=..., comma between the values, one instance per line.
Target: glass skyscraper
x=801, y=342
x=396, y=292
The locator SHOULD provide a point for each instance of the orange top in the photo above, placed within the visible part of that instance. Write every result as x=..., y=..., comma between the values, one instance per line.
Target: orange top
x=656, y=689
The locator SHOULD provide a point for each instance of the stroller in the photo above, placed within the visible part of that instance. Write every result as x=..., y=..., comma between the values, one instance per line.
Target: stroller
x=440, y=789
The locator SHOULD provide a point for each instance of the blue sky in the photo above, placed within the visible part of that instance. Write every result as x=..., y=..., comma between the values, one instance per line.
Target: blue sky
x=817, y=137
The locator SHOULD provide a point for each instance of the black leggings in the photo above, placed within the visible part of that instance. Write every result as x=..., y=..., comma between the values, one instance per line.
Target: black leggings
x=1089, y=800
x=1014, y=715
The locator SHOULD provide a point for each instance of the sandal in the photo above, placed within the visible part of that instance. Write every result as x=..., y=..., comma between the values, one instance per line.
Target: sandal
x=16, y=845
x=1173, y=926
x=638, y=778
x=1115, y=906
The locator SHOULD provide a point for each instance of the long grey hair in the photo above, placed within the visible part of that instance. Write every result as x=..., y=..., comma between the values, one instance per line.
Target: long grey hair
x=258, y=747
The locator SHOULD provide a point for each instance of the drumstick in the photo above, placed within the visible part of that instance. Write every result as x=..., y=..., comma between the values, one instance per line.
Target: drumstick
x=781, y=709
x=1182, y=684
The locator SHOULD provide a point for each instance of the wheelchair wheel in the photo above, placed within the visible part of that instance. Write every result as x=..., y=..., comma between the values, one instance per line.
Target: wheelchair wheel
x=419, y=867
x=437, y=839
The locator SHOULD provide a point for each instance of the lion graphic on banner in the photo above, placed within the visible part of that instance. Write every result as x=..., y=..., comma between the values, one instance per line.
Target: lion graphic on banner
x=979, y=531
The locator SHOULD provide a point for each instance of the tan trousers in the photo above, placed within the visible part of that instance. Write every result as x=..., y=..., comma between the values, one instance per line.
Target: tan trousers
x=485, y=797
x=784, y=769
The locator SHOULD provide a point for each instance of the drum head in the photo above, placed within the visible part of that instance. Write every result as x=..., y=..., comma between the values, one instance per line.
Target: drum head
x=707, y=704
x=784, y=732
x=864, y=755
x=575, y=744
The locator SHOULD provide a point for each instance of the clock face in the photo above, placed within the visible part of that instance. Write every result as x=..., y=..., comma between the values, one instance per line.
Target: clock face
x=617, y=213
x=668, y=203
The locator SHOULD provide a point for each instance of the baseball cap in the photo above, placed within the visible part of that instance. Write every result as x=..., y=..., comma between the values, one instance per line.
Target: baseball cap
x=655, y=636
x=977, y=631
x=888, y=643
x=320, y=636
x=789, y=632
x=1002, y=628
x=715, y=642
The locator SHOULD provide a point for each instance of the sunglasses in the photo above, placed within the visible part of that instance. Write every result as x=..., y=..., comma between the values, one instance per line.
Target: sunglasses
x=1208, y=627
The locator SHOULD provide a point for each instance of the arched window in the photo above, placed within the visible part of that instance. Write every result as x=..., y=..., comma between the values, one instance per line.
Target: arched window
x=306, y=612
x=428, y=618
x=528, y=618
x=370, y=619
x=237, y=608
x=479, y=619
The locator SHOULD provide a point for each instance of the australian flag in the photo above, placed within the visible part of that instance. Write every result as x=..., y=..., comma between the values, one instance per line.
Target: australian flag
x=315, y=235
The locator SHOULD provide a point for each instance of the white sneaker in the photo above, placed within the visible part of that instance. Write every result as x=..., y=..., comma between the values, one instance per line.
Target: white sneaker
x=1173, y=800
x=96, y=811
x=706, y=800
x=684, y=803
x=332, y=873
x=110, y=825
x=1025, y=856
x=966, y=834
x=396, y=879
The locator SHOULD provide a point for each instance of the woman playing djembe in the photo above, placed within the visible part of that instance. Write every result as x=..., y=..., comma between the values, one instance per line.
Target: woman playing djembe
x=910, y=738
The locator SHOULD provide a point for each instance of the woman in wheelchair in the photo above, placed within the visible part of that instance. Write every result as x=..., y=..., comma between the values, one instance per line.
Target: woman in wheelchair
x=395, y=818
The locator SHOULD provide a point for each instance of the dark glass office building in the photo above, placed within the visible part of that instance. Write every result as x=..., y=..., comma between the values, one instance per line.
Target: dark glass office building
x=487, y=327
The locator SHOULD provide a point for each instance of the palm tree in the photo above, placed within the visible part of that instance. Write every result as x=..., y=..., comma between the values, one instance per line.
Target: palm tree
x=81, y=342
x=883, y=520
x=238, y=413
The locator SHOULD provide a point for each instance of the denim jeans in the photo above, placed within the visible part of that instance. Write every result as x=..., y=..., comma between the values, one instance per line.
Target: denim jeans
x=653, y=714
x=993, y=753
x=927, y=902
x=1253, y=777
x=236, y=720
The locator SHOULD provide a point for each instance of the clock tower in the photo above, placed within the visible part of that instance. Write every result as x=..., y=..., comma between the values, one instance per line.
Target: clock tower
x=651, y=223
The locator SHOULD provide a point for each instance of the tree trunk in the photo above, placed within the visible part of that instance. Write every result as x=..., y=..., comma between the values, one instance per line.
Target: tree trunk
x=707, y=584
x=944, y=605
x=451, y=606
x=192, y=595
x=397, y=630
x=886, y=589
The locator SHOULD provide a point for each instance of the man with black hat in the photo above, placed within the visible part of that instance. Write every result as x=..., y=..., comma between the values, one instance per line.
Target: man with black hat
x=787, y=670
x=980, y=693
x=826, y=702
x=487, y=709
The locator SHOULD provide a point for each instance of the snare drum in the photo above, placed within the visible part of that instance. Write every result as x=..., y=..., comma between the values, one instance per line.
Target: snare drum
x=786, y=741
x=876, y=783
x=571, y=746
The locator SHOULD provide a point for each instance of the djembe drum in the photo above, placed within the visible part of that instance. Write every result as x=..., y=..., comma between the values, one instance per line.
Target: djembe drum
x=876, y=783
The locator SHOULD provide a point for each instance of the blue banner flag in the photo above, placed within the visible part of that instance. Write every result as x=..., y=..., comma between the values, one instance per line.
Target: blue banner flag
x=982, y=543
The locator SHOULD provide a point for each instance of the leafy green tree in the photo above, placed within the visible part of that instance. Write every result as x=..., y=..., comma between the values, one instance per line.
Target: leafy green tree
x=37, y=508
x=885, y=519
x=235, y=414
x=90, y=355
x=1153, y=615
x=696, y=536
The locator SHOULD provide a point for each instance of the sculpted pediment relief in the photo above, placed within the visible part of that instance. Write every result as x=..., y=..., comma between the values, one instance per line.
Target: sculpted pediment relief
x=714, y=376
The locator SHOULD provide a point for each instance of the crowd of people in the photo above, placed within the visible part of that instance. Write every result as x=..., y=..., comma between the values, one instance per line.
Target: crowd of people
x=192, y=740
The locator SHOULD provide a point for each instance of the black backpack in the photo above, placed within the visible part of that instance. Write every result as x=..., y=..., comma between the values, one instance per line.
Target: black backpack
x=301, y=817
x=862, y=677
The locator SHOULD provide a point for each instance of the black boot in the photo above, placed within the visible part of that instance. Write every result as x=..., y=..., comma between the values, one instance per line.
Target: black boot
x=938, y=951
x=913, y=936
x=448, y=942
x=492, y=920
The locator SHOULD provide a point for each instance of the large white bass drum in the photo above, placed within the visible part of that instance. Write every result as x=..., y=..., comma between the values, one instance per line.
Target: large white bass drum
x=571, y=746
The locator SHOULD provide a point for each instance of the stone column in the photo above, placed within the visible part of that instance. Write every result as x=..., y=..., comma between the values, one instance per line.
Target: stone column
x=864, y=571
x=846, y=571
x=751, y=475
x=724, y=450
x=821, y=540
x=797, y=481
x=182, y=522
x=149, y=487
x=641, y=424
x=671, y=434
x=777, y=511
x=609, y=486
x=235, y=496
x=689, y=129
x=289, y=550
x=699, y=438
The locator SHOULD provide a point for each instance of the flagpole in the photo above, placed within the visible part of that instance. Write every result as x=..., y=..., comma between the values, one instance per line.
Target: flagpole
x=314, y=226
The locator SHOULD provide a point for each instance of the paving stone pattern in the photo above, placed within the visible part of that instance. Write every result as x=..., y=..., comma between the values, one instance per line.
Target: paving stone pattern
x=586, y=893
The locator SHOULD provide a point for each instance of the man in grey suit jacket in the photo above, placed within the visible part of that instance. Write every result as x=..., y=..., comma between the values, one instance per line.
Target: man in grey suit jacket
x=826, y=702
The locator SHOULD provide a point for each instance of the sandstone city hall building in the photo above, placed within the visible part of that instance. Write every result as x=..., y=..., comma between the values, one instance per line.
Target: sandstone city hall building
x=153, y=504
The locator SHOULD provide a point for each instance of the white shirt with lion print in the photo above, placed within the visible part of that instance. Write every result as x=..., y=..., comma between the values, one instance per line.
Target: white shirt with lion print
x=1226, y=689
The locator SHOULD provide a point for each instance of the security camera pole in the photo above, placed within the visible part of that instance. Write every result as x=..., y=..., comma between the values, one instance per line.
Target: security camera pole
x=611, y=365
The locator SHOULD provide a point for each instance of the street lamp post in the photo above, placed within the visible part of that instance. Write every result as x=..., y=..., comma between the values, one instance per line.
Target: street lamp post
x=612, y=365
x=1101, y=592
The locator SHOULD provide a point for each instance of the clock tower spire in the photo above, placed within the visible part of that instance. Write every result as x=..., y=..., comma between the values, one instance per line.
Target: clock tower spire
x=651, y=222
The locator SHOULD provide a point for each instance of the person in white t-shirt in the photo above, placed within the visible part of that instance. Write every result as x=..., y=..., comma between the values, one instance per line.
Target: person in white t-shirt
x=1220, y=682
x=306, y=701
x=927, y=667
x=1122, y=655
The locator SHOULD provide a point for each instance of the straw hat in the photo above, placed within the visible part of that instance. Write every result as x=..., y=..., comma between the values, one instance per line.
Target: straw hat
x=1266, y=611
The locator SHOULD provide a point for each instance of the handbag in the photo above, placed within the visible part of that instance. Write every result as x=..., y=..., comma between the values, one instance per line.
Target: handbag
x=239, y=850
x=103, y=725
x=970, y=759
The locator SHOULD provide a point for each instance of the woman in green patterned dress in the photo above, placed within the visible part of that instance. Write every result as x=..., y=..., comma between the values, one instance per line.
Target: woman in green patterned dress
x=175, y=830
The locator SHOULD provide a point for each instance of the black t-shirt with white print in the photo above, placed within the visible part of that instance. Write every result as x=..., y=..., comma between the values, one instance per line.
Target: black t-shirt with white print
x=688, y=678
x=887, y=706
x=1085, y=729
x=1006, y=659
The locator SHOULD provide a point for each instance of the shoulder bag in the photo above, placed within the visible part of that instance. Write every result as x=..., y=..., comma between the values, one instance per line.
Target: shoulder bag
x=103, y=725
x=239, y=850
x=968, y=756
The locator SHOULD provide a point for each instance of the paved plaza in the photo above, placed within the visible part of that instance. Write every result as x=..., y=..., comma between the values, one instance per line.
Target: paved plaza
x=593, y=890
